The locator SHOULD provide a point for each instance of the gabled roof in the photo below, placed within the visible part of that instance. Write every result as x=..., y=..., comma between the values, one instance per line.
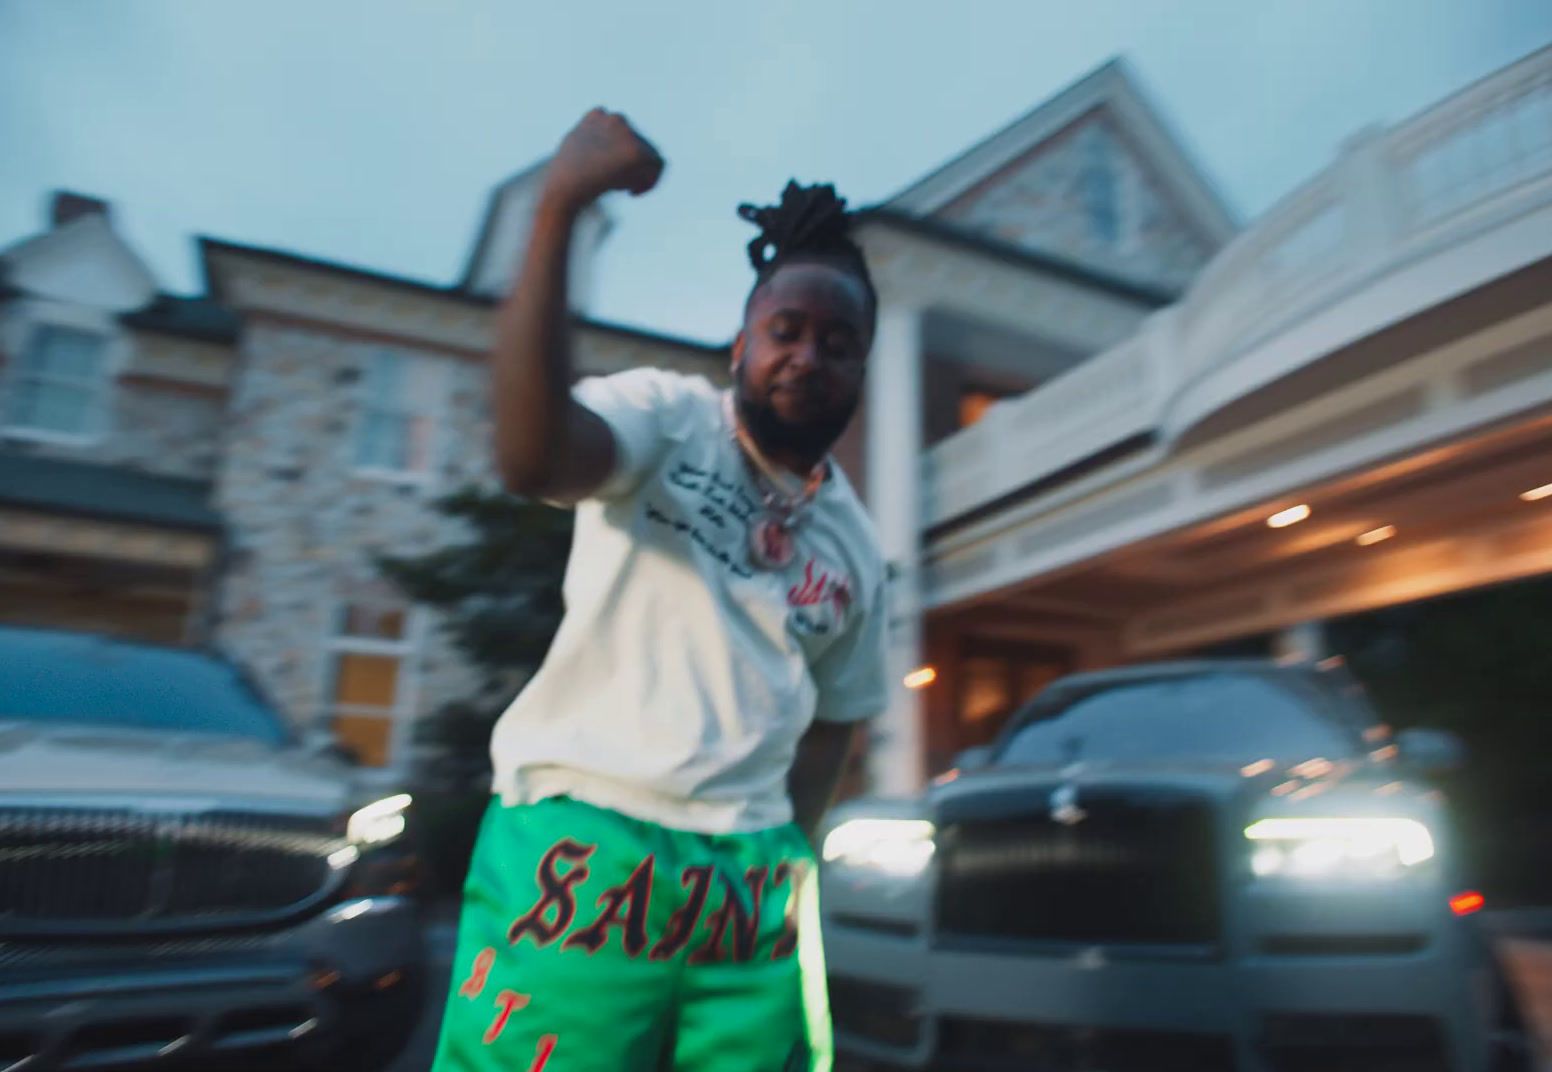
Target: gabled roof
x=50, y=265
x=33, y=267
x=1066, y=268
x=530, y=176
x=1114, y=87
x=488, y=220
x=214, y=246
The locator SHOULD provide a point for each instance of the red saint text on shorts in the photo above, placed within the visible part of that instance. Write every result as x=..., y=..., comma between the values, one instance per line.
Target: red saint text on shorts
x=542, y=1053
x=682, y=923
x=556, y=891
x=743, y=921
x=633, y=896
x=478, y=973
x=506, y=1001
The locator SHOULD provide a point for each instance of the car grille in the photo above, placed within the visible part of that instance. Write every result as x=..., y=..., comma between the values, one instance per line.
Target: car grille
x=1128, y=866
x=1317, y=1042
x=105, y=869
x=994, y=1046
x=876, y=1012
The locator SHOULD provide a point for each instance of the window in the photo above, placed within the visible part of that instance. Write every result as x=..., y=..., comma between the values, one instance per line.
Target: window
x=1097, y=189
x=371, y=650
x=60, y=384
x=396, y=427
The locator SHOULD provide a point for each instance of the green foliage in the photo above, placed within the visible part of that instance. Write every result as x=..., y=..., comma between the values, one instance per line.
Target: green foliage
x=499, y=597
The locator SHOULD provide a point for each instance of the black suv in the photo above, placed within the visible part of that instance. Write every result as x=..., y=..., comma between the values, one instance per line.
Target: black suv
x=1180, y=866
x=180, y=882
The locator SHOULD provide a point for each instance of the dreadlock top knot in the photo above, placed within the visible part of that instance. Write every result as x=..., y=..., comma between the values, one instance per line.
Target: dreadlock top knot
x=809, y=219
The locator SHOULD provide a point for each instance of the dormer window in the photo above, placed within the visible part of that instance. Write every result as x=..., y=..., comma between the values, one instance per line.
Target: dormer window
x=58, y=388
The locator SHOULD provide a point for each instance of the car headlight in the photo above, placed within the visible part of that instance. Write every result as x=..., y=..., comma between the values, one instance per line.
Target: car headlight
x=378, y=823
x=1338, y=847
x=900, y=848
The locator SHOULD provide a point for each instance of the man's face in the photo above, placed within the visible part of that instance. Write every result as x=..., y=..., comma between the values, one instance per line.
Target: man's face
x=798, y=363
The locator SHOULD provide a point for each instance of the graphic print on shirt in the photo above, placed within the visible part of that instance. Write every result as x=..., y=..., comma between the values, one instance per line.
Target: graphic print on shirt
x=820, y=600
x=714, y=515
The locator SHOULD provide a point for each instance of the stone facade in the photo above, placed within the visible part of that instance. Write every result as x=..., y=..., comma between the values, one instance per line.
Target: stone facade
x=1085, y=194
x=306, y=523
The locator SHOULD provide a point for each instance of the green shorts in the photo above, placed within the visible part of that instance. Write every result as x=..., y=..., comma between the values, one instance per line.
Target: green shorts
x=593, y=942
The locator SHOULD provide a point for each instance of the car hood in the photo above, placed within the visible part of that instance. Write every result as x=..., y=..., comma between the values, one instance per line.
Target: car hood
x=1308, y=786
x=49, y=760
x=1204, y=775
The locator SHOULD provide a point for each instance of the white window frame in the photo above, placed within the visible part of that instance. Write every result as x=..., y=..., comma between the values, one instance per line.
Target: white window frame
x=27, y=321
x=431, y=409
x=407, y=649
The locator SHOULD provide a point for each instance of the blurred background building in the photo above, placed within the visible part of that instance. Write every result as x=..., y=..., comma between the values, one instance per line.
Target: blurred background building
x=1105, y=420
x=1143, y=432
x=224, y=469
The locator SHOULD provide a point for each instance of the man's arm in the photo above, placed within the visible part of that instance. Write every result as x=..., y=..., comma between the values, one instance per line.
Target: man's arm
x=816, y=772
x=547, y=445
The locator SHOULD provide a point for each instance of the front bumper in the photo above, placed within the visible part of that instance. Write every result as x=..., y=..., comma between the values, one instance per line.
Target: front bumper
x=302, y=995
x=901, y=999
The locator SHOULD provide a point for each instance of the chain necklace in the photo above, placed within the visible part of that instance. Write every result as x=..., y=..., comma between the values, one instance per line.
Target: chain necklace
x=772, y=544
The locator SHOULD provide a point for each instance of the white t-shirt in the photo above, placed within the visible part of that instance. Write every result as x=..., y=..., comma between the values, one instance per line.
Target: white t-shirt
x=682, y=676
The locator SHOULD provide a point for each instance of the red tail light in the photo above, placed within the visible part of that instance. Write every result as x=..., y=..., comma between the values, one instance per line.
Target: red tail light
x=1463, y=904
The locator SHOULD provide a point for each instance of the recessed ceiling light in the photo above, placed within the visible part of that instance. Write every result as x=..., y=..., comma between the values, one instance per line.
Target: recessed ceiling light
x=1384, y=532
x=1291, y=516
x=1537, y=493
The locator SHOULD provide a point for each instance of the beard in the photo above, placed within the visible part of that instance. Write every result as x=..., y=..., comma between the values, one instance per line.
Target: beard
x=776, y=434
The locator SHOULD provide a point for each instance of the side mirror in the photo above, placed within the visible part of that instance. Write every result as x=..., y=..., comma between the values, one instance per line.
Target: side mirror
x=1431, y=751
x=973, y=759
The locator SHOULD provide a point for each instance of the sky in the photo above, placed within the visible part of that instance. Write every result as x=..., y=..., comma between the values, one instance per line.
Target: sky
x=371, y=131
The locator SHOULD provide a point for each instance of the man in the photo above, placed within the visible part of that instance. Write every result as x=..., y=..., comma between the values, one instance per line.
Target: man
x=633, y=902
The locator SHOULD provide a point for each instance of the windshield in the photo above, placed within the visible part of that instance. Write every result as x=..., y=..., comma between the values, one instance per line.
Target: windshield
x=1228, y=717
x=69, y=678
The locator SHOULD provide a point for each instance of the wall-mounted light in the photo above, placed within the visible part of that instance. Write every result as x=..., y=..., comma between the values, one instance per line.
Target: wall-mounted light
x=921, y=677
x=1374, y=536
x=1537, y=493
x=1291, y=516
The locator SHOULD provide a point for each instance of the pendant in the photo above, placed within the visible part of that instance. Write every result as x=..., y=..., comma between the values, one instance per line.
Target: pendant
x=770, y=543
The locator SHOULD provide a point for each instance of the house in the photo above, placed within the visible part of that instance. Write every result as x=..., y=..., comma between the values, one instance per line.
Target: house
x=1103, y=420
x=223, y=469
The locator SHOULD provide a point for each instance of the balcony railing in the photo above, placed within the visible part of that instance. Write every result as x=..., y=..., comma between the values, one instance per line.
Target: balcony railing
x=1465, y=167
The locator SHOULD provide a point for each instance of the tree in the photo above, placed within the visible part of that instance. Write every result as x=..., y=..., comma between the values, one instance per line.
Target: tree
x=500, y=597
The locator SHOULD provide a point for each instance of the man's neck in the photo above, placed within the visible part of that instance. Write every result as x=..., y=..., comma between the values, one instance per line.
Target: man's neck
x=800, y=465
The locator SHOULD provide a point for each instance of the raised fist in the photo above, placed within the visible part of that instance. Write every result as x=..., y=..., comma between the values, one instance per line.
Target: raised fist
x=600, y=154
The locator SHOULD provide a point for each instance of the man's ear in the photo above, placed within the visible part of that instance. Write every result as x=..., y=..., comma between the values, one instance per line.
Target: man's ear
x=740, y=344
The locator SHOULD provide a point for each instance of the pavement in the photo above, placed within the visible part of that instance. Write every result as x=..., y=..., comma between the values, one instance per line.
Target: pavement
x=441, y=937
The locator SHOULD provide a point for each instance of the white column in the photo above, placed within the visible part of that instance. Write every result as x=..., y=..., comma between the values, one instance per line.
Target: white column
x=896, y=758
